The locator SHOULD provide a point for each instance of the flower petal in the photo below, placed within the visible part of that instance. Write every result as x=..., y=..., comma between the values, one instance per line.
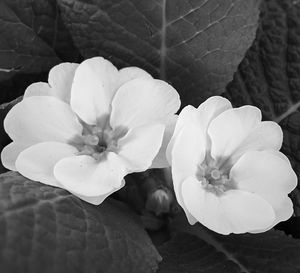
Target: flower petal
x=83, y=175
x=283, y=211
x=233, y=212
x=201, y=117
x=230, y=129
x=97, y=200
x=263, y=172
x=60, y=81
x=268, y=175
x=281, y=155
x=61, y=78
x=187, y=153
x=210, y=109
x=10, y=153
x=37, y=162
x=140, y=146
x=38, y=89
x=129, y=73
x=143, y=101
x=186, y=117
x=160, y=160
x=246, y=211
x=265, y=136
x=41, y=118
x=95, y=83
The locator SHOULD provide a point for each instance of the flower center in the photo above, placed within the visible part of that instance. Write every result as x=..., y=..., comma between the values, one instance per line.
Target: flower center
x=212, y=177
x=95, y=141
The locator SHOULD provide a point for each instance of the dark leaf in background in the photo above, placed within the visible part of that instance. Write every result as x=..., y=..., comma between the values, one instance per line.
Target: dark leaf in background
x=189, y=254
x=4, y=138
x=269, y=75
x=270, y=252
x=291, y=226
x=33, y=39
x=196, y=44
x=46, y=229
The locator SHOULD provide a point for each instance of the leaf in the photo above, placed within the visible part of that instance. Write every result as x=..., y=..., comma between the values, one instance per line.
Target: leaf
x=270, y=252
x=291, y=226
x=269, y=76
x=33, y=39
x=46, y=229
x=196, y=44
x=4, y=138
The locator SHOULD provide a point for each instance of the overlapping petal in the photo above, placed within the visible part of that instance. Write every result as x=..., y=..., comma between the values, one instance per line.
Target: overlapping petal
x=201, y=117
x=41, y=118
x=143, y=101
x=230, y=129
x=235, y=211
x=187, y=153
x=38, y=89
x=59, y=83
x=267, y=135
x=187, y=116
x=130, y=73
x=37, y=161
x=10, y=153
x=208, y=111
x=139, y=147
x=268, y=175
x=94, y=85
x=88, y=177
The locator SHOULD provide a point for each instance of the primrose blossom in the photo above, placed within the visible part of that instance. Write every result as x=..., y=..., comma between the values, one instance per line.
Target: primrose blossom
x=90, y=126
x=227, y=170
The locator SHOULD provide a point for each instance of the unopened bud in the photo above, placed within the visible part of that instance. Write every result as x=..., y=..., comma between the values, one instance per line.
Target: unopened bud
x=159, y=201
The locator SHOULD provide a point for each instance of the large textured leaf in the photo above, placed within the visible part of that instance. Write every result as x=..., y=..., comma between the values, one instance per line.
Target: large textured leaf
x=270, y=252
x=32, y=40
x=46, y=229
x=194, y=44
x=269, y=76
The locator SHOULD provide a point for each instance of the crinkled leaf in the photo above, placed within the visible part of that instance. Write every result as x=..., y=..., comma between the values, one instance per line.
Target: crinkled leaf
x=270, y=252
x=269, y=76
x=33, y=39
x=189, y=254
x=46, y=229
x=195, y=44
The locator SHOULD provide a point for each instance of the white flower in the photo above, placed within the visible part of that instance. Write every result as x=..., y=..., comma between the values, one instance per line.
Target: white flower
x=227, y=170
x=90, y=126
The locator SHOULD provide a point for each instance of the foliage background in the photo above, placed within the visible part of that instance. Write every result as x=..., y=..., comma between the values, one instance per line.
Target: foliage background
x=199, y=46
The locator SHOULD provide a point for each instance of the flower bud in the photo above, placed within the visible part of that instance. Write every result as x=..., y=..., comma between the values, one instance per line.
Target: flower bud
x=159, y=201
